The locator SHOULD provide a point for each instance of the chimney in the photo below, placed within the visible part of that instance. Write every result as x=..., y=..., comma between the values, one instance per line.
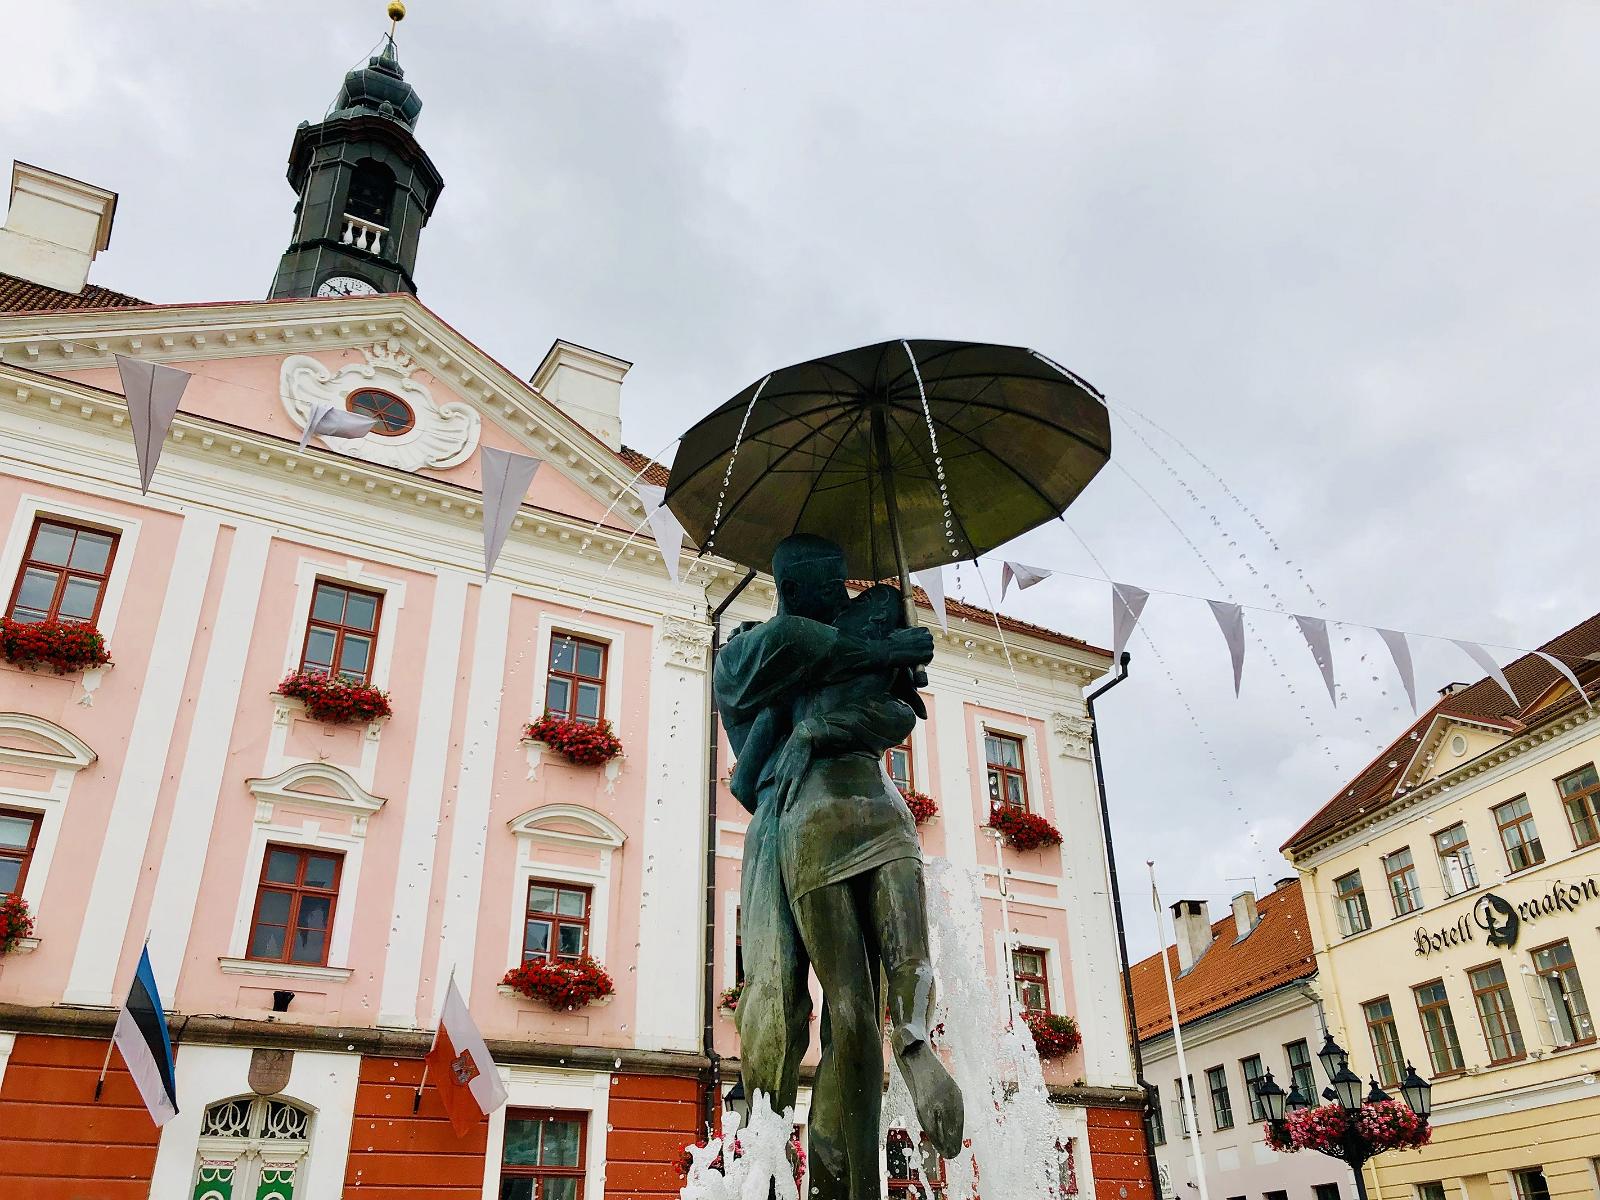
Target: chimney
x=1450, y=689
x=54, y=228
x=587, y=386
x=1284, y=882
x=1244, y=913
x=1192, y=920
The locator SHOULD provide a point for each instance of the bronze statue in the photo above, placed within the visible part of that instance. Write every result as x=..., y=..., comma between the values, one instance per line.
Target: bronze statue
x=811, y=700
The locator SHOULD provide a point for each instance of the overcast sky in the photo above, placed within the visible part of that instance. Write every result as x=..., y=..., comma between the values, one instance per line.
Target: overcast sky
x=1346, y=255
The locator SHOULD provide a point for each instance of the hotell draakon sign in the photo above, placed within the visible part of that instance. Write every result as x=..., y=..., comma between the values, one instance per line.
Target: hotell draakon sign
x=1501, y=920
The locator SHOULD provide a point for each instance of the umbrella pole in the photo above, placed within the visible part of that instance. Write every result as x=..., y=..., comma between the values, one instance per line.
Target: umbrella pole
x=880, y=451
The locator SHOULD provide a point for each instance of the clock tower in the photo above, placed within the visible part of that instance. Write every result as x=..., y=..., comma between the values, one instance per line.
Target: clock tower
x=366, y=187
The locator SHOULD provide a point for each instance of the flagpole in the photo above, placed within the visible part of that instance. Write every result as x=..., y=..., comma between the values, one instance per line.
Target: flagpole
x=105, y=1064
x=416, y=1099
x=1185, y=1087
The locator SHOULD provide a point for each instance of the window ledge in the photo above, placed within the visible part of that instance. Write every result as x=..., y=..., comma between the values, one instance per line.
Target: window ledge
x=249, y=966
x=25, y=945
x=505, y=990
x=284, y=707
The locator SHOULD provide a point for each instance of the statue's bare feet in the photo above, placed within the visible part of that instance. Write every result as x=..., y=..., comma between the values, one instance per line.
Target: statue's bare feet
x=936, y=1097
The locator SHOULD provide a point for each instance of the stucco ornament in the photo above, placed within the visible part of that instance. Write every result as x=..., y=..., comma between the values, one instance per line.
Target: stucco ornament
x=443, y=435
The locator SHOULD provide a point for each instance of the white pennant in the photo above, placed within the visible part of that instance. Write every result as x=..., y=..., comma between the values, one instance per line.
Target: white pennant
x=1400, y=651
x=329, y=421
x=506, y=477
x=931, y=581
x=664, y=524
x=1230, y=618
x=152, y=392
x=1025, y=576
x=1571, y=678
x=1315, y=632
x=1127, y=603
x=1491, y=668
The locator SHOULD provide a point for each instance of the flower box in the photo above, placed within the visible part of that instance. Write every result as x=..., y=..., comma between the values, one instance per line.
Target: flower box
x=561, y=985
x=729, y=1001
x=335, y=700
x=1023, y=831
x=1055, y=1036
x=64, y=646
x=1387, y=1125
x=576, y=741
x=16, y=923
x=923, y=808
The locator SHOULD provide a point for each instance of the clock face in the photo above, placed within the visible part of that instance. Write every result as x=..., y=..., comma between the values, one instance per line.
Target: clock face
x=346, y=285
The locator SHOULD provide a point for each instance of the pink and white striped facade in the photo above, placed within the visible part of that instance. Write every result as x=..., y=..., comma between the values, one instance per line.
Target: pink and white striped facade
x=160, y=781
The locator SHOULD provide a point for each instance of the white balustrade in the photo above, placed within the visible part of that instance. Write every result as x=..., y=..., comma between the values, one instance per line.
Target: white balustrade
x=363, y=235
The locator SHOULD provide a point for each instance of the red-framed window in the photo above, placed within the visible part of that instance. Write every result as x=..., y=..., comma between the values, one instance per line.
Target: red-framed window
x=1031, y=976
x=394, y=415
x=557, y=921
x=576, y=687
x=910, y=1164
x=897, y=761
x=63, y=573
x=543, y=1157
x=293, y=917
x=1008, y=780
x=342, y=631
x=19, y=833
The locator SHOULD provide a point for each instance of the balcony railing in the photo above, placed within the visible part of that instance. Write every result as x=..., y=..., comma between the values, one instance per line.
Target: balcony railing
x=363, y=235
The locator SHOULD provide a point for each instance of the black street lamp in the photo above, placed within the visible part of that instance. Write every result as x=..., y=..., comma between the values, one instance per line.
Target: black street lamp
x=1345, y=1089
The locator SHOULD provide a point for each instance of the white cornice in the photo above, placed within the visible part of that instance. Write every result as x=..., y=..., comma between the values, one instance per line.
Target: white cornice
x=66, y=749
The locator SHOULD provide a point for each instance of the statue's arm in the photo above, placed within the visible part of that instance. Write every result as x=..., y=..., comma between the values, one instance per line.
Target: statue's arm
x=786, y=655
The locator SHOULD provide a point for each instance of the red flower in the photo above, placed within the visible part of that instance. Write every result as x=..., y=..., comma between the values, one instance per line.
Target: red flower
x=1054, y=1036
x=730, y=997
x=64, y=645
x=561, y=985
x=923, y=809
x=1388, y=1125
x=16, y=922
x=335, y=699
x=576, y=741
x=1023, y=830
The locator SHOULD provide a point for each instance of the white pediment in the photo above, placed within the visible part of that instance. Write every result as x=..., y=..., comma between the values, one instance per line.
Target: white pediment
x=26, y=740
x=569, y=823
x=320, y=785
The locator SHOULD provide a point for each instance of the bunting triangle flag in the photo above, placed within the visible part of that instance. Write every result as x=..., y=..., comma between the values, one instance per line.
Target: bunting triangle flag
x=152, y=392
x=1400, y=651
x=328, y=421
x=1024, y=575
x=1567, y=671
x=1315, y=632
x=931, y=581
x=1491, y=668
x=664, y=524
x=506, y=476
x=1230, y=619
x=1127, y=604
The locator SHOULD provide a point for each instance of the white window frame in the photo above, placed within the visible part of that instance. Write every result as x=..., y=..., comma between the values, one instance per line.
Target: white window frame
x=352, y=573
x=553, y=624
x=351, y=800
x=1023, y=730
x=30, y=507
x=606, y=837
x=565, y=1091
x=1052, y=965
x=64, y=755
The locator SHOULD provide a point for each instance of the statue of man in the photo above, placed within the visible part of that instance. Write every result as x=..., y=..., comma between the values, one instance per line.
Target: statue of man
x=811, y=700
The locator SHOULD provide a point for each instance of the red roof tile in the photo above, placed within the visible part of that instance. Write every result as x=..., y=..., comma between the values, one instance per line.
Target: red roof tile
x=636, y=460
x=1375, y=786
x=1277, y=951
x=21, y=296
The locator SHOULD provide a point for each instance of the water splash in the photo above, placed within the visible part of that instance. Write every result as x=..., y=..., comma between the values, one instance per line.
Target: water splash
x=757, y=1165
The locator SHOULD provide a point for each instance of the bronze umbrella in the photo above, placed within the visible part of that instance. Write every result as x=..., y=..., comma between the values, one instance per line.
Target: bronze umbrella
x=908, y=454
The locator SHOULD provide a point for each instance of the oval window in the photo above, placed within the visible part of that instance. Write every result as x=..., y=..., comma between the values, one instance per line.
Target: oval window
x=1458, y=745
x=394, y=415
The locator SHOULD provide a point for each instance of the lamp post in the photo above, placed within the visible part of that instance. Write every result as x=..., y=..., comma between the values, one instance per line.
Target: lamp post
x=1344, y=1089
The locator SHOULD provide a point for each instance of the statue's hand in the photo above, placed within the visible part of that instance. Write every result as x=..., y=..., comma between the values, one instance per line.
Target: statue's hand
x=909, y=647
x=793, y=761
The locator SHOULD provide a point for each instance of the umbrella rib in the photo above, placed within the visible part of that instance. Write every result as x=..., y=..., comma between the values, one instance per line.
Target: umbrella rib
x=789, y=450
x=1050, y=505
x=822, y=470
x=1002, y=410
x=951, y=508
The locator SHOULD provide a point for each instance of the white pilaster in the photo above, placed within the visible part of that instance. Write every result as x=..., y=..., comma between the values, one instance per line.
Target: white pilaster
x=122, y=854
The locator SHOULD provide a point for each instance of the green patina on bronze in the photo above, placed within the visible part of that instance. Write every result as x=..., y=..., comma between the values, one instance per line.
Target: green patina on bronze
x=811, y=699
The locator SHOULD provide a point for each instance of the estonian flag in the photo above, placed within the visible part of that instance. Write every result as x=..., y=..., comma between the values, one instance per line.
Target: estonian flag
x=141, y=1035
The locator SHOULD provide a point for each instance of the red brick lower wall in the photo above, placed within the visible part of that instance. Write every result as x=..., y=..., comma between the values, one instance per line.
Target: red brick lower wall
x=56, y=1142
x=1117, y=1149
x=395, y=1153
x=651, y=1118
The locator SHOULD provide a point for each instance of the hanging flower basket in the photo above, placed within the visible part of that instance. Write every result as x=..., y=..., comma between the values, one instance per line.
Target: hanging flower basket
x=1055, y=1036
x=63, y=646
x=730, y=997
x=577, y=742
x=1023, y=830
x=1387, y=1125
x=923, y=808
x=564, y=986
x=16, y=922
x=335, y=700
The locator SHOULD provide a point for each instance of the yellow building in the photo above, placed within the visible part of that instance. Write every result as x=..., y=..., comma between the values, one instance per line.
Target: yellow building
x=1453, y=894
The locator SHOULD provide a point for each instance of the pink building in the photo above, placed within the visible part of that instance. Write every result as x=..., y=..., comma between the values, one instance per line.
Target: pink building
x=308, y=887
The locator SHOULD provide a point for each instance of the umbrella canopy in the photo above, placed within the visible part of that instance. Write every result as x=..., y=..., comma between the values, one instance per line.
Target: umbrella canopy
x=981, y=443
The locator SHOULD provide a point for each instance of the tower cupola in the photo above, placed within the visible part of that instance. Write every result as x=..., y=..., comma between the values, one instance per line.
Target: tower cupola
x=366, y=187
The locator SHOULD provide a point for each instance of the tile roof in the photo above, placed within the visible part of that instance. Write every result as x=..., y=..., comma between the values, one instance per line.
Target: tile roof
x=21, y=296
x=1277, y=951
x=1531, y=678
x=636, y=460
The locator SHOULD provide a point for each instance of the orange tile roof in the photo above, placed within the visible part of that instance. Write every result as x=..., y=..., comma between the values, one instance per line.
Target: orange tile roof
x=1232, y=970
x=1379, y=782
x=23, y=296
x=636, y=460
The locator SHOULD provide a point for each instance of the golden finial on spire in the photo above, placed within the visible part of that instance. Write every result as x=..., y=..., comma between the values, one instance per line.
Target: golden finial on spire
x=397, y=13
